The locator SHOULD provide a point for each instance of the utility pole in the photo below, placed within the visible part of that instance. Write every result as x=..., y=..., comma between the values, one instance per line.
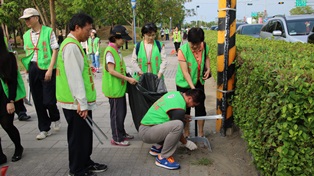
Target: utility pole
x=225, y=64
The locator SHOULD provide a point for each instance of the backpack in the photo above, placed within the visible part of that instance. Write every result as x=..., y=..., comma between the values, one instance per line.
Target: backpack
x=139, y=44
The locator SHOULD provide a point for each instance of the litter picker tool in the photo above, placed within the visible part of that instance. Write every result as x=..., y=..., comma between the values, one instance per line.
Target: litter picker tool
x=90, y=123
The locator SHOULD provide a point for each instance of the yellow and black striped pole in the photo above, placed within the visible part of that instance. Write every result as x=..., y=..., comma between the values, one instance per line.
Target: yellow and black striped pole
x=225, y=62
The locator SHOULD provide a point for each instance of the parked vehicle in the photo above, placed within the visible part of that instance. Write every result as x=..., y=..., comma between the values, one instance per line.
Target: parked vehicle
x=288, y=28
x=250, y=29
x=215, y=27
x=240, y=23
x=310, y=38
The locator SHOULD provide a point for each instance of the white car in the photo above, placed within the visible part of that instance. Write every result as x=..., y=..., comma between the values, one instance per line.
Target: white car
x=294, y=28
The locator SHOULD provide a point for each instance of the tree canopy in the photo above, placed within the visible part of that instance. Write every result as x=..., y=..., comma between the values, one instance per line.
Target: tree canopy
x=301, y=10
x=104, y=12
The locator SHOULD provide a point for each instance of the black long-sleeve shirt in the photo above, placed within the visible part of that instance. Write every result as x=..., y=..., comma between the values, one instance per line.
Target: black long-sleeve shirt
x=8, y=74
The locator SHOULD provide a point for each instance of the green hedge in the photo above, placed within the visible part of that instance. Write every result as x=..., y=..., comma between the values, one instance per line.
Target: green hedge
x=274, y=103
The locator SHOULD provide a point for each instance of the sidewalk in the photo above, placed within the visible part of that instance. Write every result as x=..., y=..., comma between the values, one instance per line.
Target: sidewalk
x=49, y=157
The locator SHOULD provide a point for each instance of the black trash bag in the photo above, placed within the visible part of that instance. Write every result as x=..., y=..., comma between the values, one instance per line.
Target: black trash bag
x=144, y=94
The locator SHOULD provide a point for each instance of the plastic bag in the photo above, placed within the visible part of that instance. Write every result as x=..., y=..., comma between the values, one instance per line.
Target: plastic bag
x=144, y=94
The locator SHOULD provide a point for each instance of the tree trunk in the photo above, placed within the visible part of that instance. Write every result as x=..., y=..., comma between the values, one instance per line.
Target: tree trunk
x=52, y=14
x=40, y=14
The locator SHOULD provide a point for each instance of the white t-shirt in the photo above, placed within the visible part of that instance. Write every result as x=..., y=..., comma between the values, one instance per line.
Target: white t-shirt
x=109, y=57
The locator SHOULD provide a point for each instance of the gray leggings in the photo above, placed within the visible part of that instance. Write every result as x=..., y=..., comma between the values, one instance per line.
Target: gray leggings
x=169, y=133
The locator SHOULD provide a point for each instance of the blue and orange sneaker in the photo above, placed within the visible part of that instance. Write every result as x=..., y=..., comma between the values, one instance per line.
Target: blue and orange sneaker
x=155, y=151
x=167, y=163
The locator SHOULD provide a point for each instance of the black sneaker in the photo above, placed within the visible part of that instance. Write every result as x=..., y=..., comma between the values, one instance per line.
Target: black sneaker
x=88, y=173
x=24, y=117
x=96, y=167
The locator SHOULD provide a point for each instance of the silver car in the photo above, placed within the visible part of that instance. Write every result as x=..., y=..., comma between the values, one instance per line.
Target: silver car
x=250, y=30
x=288, y=28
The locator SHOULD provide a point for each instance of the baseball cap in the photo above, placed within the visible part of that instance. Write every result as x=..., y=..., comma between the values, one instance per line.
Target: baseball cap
x=120, y=30
x=29, y=12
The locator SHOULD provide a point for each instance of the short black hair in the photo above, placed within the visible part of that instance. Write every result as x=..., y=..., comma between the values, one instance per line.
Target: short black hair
x=80, y=19
x=197, y=95
x=149, y=28
x=196, y=35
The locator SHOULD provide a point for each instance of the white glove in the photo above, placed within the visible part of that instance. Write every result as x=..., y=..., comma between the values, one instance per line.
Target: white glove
x=190, y=145
x=97, y=53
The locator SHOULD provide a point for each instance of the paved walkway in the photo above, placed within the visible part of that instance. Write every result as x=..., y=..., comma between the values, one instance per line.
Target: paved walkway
x=49, y=157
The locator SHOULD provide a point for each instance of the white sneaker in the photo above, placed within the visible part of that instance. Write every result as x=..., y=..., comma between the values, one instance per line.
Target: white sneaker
x=43, y=135
x=57, y=125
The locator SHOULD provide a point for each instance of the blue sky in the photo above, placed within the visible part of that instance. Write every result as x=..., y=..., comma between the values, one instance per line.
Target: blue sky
x=207, y=10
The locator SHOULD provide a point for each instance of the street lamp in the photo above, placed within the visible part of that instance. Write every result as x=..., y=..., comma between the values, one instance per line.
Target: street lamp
x=197, y=15
x=170, y=25
x=133, y=4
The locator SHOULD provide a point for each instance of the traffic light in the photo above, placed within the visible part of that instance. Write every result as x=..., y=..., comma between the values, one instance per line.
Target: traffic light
x=281, y=2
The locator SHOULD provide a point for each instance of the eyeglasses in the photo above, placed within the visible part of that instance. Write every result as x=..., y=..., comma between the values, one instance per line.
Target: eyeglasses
x=26, y=19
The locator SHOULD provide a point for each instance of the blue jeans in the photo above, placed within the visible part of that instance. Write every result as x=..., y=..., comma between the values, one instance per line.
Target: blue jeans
x=95, y=60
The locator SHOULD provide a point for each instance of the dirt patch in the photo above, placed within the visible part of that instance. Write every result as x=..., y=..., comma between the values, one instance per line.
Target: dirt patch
x=229, y=157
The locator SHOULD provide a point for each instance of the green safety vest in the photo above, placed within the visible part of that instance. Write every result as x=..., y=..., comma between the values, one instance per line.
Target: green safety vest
x=177, y=36
x=20, y=90
x=192, y=67
x=93, y=47
x=143, y=63
x=113, y=87
x=42, y=47
x=166, y=31
x=157, y=113
x=63, y=92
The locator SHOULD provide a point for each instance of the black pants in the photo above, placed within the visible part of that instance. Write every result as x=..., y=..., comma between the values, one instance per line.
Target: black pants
x=80, y=142
x=44, y=96
x=200, y=109
x=177, y=46
x=167, y=36
x=20, y=108
x=117, y=117
x=6, y=122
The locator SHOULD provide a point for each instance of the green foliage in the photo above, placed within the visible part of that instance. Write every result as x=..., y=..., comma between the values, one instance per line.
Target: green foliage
x=211, y=41
x=203, y=162
x=302, y=10
x=274, y=103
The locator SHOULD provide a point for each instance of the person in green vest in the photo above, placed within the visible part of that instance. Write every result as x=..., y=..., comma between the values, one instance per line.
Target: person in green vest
x=114, y=84
x=193, y=70
x=93, y=43
x=76, y=93
x=167, y=33
x=150, y=55
x=11, y=89
x=177, y=39
x=164, y=122
x=20, y=108
x=41, y=47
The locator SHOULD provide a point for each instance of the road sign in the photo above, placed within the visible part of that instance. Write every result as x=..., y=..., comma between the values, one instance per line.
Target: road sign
x=300, y=3
x=254, y=14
